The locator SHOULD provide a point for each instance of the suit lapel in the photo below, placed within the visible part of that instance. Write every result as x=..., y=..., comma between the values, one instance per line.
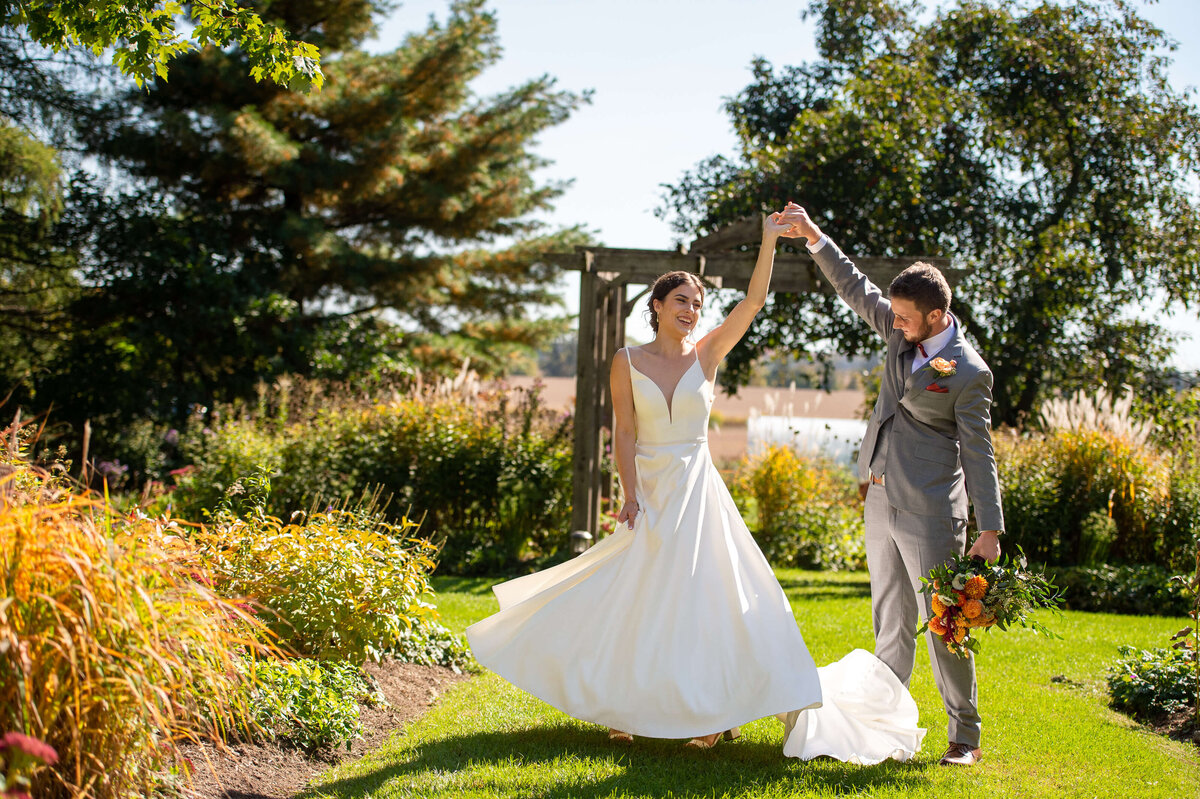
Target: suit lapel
x=904, y=362
x=925, y=376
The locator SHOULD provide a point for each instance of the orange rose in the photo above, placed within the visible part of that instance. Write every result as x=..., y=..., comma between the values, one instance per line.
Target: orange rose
x=976, y=587
x=944, y=367
x=937, y=626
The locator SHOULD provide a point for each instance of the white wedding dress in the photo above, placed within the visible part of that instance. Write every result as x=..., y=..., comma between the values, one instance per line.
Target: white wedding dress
x=678, y=628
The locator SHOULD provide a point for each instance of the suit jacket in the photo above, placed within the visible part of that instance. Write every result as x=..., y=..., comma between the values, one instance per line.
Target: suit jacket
x=940, y=444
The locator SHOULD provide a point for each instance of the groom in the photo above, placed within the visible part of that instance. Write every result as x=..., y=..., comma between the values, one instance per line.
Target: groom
x=928, y=445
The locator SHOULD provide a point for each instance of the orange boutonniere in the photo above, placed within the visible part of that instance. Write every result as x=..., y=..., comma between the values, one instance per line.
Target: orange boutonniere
x=943, y=367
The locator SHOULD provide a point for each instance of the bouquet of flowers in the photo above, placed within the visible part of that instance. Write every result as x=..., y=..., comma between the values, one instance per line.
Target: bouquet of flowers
x=969, y=594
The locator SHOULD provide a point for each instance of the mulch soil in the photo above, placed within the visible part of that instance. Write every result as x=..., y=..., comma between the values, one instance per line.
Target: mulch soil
x=277, y=771
x=1179, y=726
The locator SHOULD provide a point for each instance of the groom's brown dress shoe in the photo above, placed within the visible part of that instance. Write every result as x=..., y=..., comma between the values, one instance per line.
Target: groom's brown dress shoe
x=961, y=755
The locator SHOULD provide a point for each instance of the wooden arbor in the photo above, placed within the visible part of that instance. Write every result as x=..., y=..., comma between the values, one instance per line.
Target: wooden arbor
x=605, y=275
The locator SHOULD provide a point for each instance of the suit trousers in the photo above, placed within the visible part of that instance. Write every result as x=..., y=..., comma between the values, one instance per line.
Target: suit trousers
x=901, y=548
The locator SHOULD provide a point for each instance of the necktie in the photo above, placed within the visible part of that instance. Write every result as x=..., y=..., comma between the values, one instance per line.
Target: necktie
x=921, y=347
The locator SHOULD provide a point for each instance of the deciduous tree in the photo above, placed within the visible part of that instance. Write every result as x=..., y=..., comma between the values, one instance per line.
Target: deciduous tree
x=1040, y=145
x=144, y=35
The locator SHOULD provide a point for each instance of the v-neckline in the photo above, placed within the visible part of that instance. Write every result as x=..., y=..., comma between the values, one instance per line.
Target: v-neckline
x=668, y=401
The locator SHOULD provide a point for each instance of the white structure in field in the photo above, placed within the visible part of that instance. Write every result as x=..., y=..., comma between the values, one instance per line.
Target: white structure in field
x=835, y=438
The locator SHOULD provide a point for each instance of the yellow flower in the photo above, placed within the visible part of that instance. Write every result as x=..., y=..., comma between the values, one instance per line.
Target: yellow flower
x=960, y=634
x=976, y=587
x=939, y=609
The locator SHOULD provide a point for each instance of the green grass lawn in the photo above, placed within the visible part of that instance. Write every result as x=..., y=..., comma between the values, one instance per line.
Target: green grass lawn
x=1047, y=729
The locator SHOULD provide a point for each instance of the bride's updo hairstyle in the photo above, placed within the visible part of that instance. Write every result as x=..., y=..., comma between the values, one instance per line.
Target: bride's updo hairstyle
x=664, y=286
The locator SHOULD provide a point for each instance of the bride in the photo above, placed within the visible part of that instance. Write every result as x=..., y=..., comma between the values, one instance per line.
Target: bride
x=675, y=626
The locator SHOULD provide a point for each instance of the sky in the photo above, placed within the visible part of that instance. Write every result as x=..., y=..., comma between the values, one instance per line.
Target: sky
x=660, y=71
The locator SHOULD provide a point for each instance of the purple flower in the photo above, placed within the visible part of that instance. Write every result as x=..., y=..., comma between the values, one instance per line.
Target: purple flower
x=111, y=469
x=172, y=437
x=30, y=746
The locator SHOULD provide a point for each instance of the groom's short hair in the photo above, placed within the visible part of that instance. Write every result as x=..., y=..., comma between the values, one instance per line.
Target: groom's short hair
x=924, y=286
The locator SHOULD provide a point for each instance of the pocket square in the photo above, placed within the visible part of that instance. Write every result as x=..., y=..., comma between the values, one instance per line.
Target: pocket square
x=937, y=388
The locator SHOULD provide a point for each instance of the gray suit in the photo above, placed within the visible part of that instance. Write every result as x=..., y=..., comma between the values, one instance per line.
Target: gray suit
x=933, y=448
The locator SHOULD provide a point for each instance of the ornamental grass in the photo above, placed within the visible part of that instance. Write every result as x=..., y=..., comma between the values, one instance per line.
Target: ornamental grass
x=112, y=649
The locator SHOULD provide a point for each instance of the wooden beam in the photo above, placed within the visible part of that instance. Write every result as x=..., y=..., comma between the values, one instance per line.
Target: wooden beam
x=794, y=272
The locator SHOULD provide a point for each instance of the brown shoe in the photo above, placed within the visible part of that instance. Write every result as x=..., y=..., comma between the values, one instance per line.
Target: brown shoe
x=961, y=755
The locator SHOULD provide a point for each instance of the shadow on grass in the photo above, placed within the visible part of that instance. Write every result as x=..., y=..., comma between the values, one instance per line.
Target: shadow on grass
x=472, y=586
x=649, y=767
x=810, y=588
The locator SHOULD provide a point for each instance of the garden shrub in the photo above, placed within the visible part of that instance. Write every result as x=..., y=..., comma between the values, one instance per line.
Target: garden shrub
x=432, y=644
x=803, y=511
x=1055, y=487
x=114, y=648
x=1153, y=683
x=1145, y=590
x=491, y=476
x=1181, y=520
x=311, y=704
x=341, y=584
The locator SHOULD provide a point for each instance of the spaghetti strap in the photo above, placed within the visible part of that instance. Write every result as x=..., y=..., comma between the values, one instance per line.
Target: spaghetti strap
x=627, y=356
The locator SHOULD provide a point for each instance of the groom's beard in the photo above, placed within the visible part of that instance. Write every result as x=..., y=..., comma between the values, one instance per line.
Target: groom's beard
x=922, y=333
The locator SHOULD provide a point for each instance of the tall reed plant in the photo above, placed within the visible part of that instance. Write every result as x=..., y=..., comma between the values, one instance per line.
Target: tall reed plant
x=1097, y=484
x=114, y=649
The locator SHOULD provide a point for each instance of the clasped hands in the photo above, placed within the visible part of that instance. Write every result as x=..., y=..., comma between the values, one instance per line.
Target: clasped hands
x=792, y=222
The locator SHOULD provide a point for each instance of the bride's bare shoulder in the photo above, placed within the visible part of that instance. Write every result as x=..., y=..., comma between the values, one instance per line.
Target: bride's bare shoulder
x=622, y=360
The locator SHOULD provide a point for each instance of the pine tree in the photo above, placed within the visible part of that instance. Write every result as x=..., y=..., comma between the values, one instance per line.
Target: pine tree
x=286, y=232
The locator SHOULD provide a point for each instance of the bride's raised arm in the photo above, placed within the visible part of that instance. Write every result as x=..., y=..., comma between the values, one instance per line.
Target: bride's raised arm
x=716, y=345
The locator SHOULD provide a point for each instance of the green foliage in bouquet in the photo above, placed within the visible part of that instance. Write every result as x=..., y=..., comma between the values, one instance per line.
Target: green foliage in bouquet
x=967, y=594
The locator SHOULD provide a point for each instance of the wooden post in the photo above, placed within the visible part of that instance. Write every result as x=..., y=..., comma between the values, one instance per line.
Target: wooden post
x=599, y=396
x=613, y=340
x=587, y=450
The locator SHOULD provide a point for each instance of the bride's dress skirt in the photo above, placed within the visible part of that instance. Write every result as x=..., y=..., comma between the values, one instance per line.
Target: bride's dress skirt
x=677, y=628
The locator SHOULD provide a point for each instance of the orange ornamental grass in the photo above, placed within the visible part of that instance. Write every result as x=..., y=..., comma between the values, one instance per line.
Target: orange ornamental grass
x=112, y=650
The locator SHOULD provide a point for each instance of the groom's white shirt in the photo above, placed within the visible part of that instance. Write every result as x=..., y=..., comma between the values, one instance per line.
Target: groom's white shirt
x=935, y=344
